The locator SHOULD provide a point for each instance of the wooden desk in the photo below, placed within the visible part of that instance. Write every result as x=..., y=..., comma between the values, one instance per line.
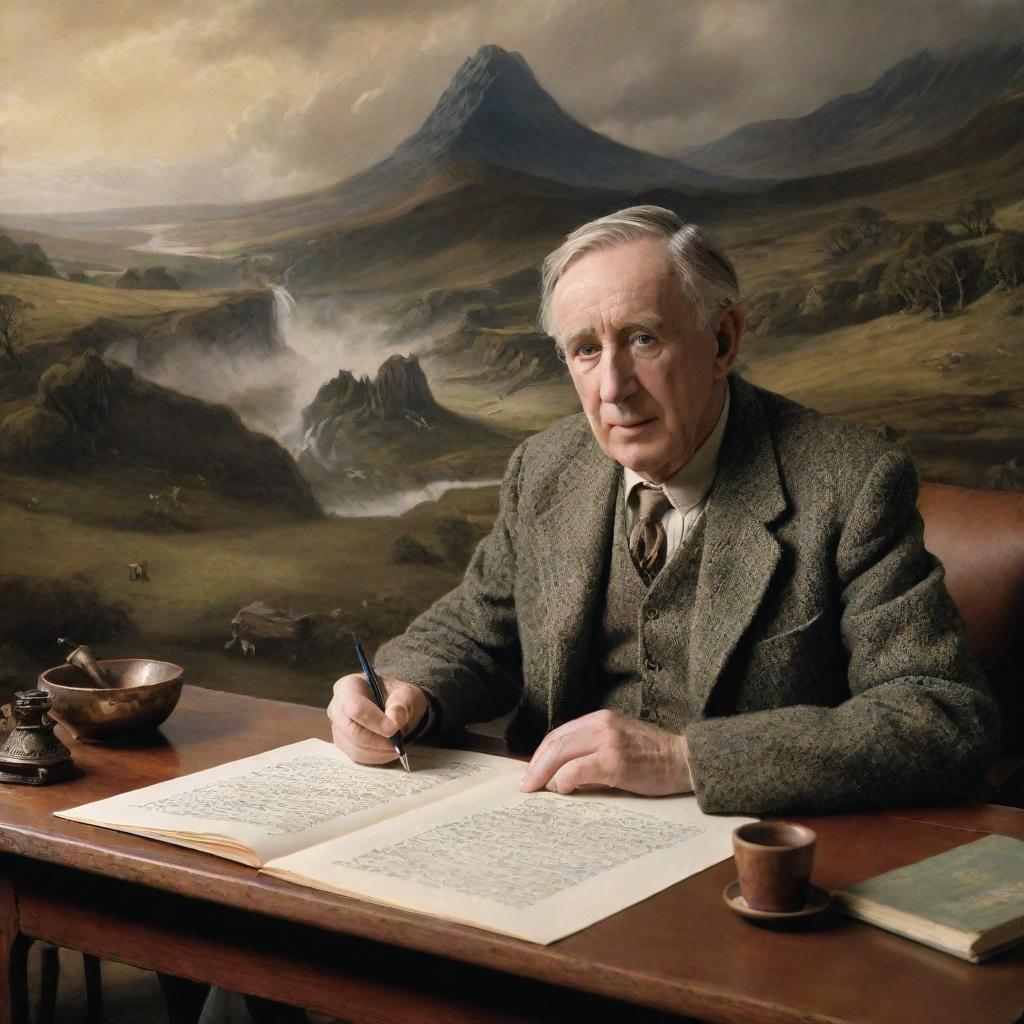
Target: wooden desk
x=682, y=952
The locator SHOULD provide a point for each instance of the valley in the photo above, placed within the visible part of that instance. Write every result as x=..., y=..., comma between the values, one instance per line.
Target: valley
x=317, y=414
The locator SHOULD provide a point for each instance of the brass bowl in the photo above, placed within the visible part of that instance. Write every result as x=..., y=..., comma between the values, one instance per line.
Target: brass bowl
x=143, y=695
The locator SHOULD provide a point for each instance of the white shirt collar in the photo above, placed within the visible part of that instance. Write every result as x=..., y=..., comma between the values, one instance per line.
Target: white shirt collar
x=688, y=487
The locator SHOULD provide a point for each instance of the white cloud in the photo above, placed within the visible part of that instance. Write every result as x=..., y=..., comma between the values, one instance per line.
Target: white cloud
x=366, y=97
x=245, y=99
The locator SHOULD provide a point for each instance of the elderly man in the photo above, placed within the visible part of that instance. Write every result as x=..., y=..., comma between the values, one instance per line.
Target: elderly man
x=696, y=585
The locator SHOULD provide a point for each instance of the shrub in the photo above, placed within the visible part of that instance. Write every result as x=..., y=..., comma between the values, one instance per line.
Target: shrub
x=35, y=436
x=948, y=277
x=839, y=240
x=33, y=613
x=928, y=238
x=864, y=227
x=458, y=537
x=129, y=279
x=1006, y=259
x=869, y=277
x=409, y=551
x=829, y=304
x=869, y=305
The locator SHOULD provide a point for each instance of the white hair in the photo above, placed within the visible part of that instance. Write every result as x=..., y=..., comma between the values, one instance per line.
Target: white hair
x=706, y=274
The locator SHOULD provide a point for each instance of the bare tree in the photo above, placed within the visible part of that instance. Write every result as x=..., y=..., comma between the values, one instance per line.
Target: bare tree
x=977, y=217
x=13, y=313
x=903, y=279
x=942, y=278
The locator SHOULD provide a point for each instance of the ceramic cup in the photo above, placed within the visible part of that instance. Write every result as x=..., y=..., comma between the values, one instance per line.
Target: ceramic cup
x=773, y=861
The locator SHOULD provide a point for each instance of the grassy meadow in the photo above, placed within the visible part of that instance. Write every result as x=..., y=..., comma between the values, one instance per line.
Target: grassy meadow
x=229, y=555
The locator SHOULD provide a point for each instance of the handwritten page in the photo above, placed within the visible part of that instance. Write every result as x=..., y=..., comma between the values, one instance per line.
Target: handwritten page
x=271, y=804
x=536, y=866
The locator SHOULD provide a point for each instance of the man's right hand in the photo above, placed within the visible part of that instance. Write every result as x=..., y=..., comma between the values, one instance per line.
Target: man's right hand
x=361, y=729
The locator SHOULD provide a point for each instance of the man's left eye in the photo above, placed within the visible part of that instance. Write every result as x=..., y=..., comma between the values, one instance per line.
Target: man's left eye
x=644, y=339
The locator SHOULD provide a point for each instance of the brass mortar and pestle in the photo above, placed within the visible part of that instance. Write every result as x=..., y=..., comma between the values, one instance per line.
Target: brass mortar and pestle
x=96, y=701
x=113, y=699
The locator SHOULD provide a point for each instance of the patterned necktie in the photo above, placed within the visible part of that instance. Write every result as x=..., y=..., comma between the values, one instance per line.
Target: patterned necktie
x=647, y=541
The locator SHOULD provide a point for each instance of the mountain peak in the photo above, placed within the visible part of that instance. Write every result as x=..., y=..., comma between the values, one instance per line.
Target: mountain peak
x=494, y=56
x=494, y=111
x=491, y=80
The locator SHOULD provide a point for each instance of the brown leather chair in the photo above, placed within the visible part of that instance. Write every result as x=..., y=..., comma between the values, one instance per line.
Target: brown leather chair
x=979, y=538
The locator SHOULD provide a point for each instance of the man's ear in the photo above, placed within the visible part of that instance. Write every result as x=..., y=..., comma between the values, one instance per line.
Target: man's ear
x=728, y=332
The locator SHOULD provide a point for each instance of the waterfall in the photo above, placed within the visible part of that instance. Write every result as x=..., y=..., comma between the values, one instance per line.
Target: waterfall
x=284, y=311
x=311, y=444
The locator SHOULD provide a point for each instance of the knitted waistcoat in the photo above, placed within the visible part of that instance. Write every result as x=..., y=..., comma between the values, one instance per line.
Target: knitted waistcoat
x=639, y=655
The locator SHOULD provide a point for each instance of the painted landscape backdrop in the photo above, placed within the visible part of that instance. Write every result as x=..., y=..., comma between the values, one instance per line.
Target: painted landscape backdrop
x=303, y=403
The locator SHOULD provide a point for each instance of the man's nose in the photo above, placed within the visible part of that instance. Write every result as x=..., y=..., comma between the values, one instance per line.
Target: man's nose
x=616, y=376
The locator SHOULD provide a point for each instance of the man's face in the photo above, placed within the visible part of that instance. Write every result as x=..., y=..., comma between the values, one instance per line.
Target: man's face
x=650, y=381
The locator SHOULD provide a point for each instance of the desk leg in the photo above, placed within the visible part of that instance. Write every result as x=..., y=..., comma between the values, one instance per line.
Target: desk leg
x=13, y=958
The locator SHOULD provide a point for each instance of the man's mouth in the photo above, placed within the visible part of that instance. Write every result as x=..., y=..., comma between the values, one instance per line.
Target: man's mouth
x=632, y=426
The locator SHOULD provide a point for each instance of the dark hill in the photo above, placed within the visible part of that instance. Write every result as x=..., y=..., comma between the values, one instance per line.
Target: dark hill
x=472, y=204
x=87, y=413
x=27, y=258
x=994, y=136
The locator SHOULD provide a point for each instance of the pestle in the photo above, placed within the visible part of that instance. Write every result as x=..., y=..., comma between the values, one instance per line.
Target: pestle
x=81, y=657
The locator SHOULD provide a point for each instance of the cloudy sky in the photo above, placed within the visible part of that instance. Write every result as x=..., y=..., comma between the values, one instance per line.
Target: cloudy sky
x=124, y=102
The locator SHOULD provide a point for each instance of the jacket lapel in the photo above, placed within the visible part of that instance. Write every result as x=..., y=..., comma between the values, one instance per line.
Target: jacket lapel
x=574, y=539
x=574, y=535
x=740, y=552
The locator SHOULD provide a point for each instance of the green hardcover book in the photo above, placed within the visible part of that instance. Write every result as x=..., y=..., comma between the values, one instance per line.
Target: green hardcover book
x=968, y=901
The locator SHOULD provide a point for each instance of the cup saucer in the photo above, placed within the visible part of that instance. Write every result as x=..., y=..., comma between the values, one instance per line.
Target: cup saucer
x=817, y=901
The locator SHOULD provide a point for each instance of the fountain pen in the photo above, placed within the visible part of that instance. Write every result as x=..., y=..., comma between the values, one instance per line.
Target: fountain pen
x=378, y=696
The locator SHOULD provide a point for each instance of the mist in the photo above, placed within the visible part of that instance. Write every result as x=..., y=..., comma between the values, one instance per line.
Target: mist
x=270, y=392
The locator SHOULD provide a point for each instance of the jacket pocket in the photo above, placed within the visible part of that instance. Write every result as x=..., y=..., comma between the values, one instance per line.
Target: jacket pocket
x=800, y=666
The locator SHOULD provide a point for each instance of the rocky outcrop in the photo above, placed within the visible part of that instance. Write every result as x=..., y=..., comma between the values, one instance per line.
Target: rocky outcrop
x=367, y=435
x=244, y=326
x=506, y=359
x=241, y=327
x=88, y=412
x=399, y=392
x=402, y=387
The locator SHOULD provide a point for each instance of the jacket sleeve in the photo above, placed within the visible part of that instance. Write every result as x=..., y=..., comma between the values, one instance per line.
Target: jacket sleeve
x=464, y=649
x=919, y=725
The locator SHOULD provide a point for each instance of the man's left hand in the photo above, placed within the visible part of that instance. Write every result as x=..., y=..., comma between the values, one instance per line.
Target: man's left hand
x=605, y=749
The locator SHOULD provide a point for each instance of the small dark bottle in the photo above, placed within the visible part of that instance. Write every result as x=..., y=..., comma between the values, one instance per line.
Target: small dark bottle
x=32, y=754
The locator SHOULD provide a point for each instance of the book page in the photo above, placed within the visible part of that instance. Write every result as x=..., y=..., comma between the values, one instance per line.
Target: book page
x=536, y=866
x=274, y=803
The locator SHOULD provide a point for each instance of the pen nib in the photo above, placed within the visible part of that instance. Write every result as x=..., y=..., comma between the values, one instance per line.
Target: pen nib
x=405, y=762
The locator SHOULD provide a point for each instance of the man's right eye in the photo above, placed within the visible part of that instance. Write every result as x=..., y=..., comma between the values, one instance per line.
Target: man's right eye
x=585, y=351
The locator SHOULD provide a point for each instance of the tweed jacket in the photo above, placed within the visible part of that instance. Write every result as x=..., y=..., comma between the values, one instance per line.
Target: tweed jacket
x=828, y=659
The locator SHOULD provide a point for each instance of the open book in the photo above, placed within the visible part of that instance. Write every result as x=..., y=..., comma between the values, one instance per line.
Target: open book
x=454, y=838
